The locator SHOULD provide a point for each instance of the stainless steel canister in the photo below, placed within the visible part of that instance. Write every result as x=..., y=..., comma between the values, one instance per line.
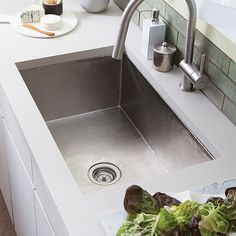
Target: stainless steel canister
x=163, y=58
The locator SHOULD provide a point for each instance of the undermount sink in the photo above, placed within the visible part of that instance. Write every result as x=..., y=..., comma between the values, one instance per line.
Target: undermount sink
x=110, y=125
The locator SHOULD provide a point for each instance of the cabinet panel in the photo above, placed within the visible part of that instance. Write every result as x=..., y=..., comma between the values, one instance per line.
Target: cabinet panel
x=14, y=128
x=21, y=191
x=44, y=227
x=4, y=174
x=48, y=202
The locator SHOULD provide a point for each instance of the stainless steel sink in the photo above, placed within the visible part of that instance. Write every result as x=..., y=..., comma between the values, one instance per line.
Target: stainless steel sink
x=100, y=111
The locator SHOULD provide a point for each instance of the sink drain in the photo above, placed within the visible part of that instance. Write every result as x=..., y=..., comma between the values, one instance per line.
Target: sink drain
x=104, y=173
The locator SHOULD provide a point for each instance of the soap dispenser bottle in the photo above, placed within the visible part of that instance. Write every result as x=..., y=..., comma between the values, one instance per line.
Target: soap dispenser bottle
x=153, y=32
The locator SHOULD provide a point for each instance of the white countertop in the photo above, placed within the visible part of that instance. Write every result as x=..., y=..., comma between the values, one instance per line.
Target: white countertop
x=82, y=212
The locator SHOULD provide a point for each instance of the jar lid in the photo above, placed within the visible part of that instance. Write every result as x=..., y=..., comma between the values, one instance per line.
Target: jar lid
x=164, y=48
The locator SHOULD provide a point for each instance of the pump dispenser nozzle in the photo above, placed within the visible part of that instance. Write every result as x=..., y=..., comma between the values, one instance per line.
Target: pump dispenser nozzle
x=155, y=15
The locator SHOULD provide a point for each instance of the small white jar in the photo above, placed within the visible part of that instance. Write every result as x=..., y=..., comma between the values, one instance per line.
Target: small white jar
x=94, y=5
x=51, y=22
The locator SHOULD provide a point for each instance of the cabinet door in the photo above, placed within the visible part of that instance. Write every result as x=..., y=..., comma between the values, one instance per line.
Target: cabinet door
x=4, y=174
x=44, y=227
x=48, y=202
x=14, y=129
x=21, y=192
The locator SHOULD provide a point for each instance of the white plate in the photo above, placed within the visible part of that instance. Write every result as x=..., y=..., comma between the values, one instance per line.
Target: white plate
x=69, y=22
x=112, y=221
x=5, y=18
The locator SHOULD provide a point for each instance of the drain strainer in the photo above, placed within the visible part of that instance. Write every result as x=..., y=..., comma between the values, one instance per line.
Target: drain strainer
x=104, y=173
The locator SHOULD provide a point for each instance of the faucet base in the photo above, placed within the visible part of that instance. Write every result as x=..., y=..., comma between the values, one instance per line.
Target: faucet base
x=186, y=85
x=192, y=77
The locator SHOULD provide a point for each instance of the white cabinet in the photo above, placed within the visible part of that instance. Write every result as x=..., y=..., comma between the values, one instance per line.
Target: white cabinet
x=16, y=132
x=22, y=201
x=33, y=213
x=48, y=203
x=44, y=227
x=21, y=191
x=4, y=174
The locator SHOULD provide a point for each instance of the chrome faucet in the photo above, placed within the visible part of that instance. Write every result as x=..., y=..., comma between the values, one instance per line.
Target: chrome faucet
x=192, y=77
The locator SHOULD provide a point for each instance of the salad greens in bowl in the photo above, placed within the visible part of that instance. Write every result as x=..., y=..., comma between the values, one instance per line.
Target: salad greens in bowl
x=163, y=215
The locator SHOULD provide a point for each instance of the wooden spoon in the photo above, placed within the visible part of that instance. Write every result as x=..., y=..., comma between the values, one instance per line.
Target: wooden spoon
x=29, y=26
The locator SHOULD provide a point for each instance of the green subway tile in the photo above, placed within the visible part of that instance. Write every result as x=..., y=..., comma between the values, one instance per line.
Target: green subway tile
x=175, y=19
x=135, y=17
x=181, y=43
x=229, y=108
x=178, y=57
x=197, y=57
x=123, y=3
x=214, y=94
x=150, y=2
x=145, y=9
x=117, y=2
x=220, y=59
x=171, y=34
x=222, y=81
x=201, y=42
x=232, y=71
x=159, y=4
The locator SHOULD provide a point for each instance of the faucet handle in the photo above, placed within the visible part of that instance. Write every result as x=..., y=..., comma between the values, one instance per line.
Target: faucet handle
x=202, y=62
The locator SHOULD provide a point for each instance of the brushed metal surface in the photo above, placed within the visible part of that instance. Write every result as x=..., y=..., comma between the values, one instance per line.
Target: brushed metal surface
x=75, y=87
x=173, y=143
x=103, y=136
x=163, y=57
x=95, y=117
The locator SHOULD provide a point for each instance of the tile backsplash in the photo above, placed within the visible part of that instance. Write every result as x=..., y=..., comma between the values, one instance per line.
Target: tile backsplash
x=218, y=66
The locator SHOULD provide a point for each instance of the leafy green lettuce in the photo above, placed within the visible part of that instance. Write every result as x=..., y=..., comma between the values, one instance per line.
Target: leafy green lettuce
x=167, y=222
x=149, y=224
x=140, y=225
x=218, y=219
x=184, y=214
x=138, y=200
x=146, y=218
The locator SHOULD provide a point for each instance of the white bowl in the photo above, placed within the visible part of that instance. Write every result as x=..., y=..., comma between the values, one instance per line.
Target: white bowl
x=94, y=5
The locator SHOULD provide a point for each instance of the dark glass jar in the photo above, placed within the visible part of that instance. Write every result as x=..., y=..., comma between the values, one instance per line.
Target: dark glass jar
x=53, y=7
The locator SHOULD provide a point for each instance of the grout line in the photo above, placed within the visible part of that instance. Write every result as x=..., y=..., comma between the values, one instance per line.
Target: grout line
x=230, y=99
x=139, y=18
x=227, y=75
x=230, y=62
x=223, y=103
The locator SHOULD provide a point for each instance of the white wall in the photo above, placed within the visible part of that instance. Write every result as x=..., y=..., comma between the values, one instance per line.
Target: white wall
x=220, y=14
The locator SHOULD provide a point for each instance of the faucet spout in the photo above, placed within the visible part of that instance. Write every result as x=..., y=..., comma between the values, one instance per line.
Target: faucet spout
x=186, y=84
x=126, y=17
x=192, y=78
x=190, y=33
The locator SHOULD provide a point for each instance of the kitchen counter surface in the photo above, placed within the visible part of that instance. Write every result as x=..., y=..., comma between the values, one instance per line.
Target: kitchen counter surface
x=82, y=212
